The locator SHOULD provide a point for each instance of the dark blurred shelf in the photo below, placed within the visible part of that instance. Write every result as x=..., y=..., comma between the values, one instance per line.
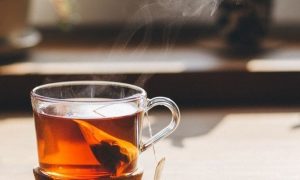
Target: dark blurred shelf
x=198, y=72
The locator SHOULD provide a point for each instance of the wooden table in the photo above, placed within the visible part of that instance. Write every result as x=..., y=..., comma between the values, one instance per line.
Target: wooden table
x=211, y=144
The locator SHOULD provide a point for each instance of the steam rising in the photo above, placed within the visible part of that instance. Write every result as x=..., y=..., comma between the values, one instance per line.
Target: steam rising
x=178, y=10
x=170, y=13
x=190, y=7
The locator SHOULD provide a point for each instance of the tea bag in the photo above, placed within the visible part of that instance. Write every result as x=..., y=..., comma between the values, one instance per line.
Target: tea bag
x=113, y=153
x=115, y=110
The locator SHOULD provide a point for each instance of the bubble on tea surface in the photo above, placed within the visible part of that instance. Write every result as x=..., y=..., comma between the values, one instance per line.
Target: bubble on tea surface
x=56, y=110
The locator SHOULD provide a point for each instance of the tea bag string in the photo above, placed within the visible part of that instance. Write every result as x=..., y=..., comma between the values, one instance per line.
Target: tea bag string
x=159, y=164
x=151, y=135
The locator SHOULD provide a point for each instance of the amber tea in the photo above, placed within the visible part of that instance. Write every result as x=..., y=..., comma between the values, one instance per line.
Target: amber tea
x=92, y=129
x=90, y=143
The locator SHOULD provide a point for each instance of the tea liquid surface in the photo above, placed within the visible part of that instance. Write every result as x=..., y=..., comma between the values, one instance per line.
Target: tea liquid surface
x=88, y=140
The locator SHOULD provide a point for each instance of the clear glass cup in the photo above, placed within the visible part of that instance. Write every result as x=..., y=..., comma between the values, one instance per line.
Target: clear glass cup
x=92, y=129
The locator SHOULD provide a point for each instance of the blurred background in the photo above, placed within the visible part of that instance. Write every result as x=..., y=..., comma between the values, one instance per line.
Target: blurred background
x=209, y=52
x=107, y=12
x=232, y=66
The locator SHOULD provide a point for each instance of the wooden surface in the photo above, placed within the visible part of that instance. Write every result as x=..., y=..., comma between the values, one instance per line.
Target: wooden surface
x=211, y=144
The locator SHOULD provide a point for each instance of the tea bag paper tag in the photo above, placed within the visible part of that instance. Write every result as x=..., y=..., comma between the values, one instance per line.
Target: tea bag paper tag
x=159, y=168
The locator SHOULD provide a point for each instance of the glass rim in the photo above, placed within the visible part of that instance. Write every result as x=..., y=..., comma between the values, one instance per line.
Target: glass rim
x=35, y=95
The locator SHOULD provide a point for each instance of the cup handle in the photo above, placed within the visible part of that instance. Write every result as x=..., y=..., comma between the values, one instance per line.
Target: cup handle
x=162, y=101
